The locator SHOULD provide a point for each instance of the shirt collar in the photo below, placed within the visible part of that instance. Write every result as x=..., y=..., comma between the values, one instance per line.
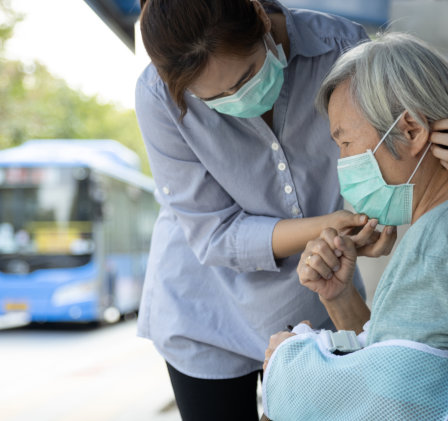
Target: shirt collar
x=302, y=41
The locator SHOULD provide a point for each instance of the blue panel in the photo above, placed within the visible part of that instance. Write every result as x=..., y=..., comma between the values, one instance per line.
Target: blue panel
x=37, y=288
x=375, y=12
x=128, y=7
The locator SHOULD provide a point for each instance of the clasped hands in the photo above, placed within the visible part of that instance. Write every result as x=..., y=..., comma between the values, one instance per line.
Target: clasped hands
x=328, y=263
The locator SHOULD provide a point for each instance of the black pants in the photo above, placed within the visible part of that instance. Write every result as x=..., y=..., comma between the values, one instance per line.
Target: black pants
x=215, y=400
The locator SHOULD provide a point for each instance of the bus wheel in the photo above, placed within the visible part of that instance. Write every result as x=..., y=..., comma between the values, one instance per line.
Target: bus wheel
x=111, y=315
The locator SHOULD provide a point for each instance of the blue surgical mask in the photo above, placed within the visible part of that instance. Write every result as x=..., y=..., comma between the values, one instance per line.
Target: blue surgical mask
x=363, y=186
x=258, y=94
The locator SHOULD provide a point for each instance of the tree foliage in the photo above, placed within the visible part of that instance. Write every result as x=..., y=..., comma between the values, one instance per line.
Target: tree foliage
x=8, y=20
x=34, y=104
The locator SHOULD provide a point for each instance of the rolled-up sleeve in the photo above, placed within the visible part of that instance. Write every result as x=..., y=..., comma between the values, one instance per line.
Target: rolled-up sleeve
x=217, y=229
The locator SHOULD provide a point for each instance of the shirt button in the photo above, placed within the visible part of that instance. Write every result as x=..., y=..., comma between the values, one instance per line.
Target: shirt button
x=275, y=146
x=295, y=210
x=288, y=189
x=282, y=166
x=166, y=190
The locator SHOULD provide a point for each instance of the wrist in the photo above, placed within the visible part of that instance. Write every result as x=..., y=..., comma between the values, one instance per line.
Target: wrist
x=331, y=220
x=345, y=295
x=348, y=311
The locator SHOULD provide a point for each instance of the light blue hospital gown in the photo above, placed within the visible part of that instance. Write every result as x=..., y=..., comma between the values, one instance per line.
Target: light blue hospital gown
x=391, y=378
x=214, y=292
x=411, y=301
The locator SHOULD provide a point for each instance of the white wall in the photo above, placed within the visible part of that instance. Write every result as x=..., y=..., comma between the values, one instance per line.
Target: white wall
x=426, y=19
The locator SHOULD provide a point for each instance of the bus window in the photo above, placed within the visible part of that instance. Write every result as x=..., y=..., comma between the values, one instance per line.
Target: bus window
x=45, y=219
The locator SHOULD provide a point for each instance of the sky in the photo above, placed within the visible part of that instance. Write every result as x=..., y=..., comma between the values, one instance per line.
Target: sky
x=74, y=43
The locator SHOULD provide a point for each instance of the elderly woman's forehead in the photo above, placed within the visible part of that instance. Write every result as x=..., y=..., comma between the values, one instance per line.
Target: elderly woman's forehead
x=342, y=92
x=341, y=102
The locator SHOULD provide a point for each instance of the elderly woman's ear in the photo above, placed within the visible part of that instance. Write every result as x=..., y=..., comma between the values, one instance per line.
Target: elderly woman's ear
x=415, y=133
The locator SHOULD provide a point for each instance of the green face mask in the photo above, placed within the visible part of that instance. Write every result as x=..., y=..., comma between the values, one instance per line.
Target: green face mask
x=259, y=94
x=364, y=187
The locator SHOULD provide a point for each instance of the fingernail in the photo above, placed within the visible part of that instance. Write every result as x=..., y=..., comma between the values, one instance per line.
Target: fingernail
x=363, y=219
x=373, y=223
x=390, y=230
x=336, y=268
x=338, y=253
x=329, y=276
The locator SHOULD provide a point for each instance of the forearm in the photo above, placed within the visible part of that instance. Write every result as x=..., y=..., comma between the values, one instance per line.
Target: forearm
x=290, y=236
x=348, y=311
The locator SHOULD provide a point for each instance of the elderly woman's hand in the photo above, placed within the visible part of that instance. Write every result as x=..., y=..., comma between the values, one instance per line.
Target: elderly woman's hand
x=368, y=241
x=277, y=339
x=439, y=138
x=327, y=264
x=274, y=342
x=372, y=243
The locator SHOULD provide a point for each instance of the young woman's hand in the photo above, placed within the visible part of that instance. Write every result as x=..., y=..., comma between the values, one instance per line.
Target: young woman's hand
x=328, y=263
x=439, y=138
x=345, y=221
x=362, y=231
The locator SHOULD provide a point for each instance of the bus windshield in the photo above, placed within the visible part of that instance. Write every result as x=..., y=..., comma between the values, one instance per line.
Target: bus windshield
x=45, y=218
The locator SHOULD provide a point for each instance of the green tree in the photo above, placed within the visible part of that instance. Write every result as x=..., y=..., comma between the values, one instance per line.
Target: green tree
x=8, y=20
x=34, y=104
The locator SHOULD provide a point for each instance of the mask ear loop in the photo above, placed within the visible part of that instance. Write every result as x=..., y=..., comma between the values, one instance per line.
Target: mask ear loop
x=390, y=129
x=419, y=162
x=384, y=137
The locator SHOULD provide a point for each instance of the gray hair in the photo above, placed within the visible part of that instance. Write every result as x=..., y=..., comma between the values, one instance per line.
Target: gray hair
x=391, y=74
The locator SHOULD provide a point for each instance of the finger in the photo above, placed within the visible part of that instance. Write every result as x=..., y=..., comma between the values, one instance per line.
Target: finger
x=440, y=125
x=374, y=237
x=267, y=353
x=365, y=235
x=306, y=322
x=346, y=246
x=351, y=222
x=328, y=235
x=351, y=231
x=386, y=241
x=308, y=274
x=323, y=249
x=277, y=339
x=439, y=138
x=439, y=153
x=356, y=219
x=391, y=234
x=318, y=264
x=266, y=360
x=384, y=244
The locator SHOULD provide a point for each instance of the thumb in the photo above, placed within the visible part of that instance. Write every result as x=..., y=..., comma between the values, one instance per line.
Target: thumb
x=346, y=246
x=359, y=219
x=353, y=223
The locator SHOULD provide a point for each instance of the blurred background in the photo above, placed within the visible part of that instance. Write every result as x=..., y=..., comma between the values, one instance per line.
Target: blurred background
x=72, y=168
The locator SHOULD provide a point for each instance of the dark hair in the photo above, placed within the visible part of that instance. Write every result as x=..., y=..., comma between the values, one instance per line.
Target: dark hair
x=180, y=36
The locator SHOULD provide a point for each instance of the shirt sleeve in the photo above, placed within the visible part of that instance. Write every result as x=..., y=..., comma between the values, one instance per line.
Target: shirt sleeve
x=218, y=231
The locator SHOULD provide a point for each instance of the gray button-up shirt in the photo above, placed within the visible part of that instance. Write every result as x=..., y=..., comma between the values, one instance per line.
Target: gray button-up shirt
x=214, y=292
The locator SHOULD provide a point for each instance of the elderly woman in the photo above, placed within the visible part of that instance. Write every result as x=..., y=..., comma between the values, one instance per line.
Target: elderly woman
x=382, y=98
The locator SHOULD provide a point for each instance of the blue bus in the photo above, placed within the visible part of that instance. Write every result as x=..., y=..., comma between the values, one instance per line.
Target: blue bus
x=76, y=218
